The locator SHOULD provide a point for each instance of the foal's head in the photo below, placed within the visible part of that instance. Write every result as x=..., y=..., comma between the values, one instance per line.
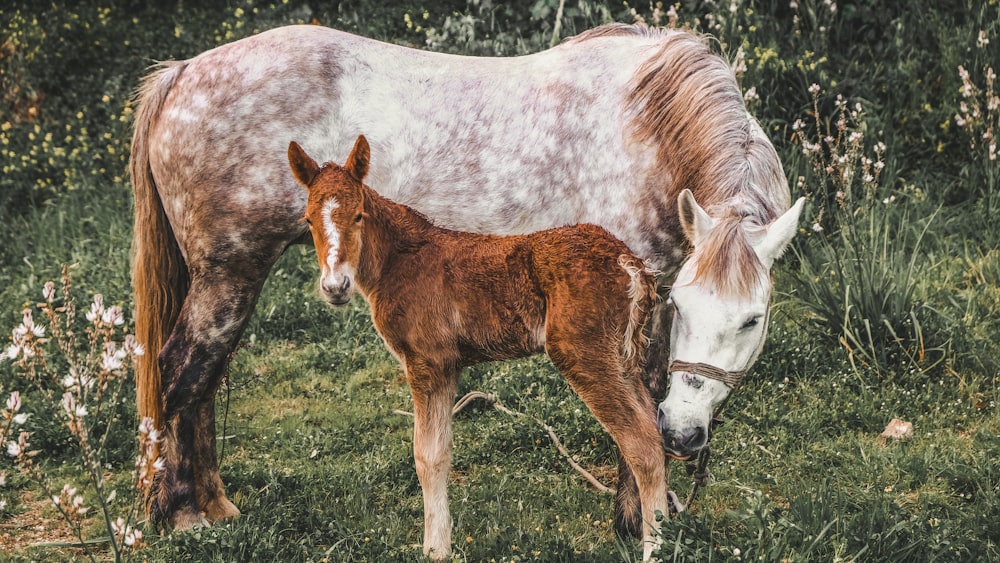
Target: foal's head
x=335, y=214
x=721, y=300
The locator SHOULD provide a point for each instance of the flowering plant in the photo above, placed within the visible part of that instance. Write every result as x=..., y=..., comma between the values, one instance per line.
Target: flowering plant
x=91, y=373
x=860, y=263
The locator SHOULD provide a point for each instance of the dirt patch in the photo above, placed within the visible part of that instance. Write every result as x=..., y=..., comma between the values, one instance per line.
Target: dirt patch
x=38, y=522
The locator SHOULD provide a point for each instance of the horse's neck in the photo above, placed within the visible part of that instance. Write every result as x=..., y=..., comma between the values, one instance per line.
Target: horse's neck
x=391, y=230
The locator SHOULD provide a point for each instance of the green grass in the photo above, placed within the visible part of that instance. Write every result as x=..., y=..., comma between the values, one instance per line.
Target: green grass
x=312, y=450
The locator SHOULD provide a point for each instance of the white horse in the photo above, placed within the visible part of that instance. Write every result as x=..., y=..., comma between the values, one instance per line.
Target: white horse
x=608, y=128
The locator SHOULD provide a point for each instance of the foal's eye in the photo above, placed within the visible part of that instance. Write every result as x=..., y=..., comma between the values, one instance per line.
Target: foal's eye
x=750, y=323
x=358, y=217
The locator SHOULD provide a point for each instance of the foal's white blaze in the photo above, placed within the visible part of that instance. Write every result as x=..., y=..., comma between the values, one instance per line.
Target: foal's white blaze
x=335, y=275
x=709, y=328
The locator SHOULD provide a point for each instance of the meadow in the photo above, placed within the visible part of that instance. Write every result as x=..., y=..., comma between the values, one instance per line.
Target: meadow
x=886, y=116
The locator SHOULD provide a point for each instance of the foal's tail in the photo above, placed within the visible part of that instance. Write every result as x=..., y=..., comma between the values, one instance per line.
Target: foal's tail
x=159, y=275
x=642, y=295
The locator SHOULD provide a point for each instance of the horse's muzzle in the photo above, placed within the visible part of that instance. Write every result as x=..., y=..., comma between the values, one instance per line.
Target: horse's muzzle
x=684, y=443
x=681, y=443
x=338, y=300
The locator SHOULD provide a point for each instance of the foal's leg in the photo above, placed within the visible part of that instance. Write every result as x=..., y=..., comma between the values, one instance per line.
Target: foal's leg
x=628, y=519
x=624, y=408
x=433, y=398
x=211, y=320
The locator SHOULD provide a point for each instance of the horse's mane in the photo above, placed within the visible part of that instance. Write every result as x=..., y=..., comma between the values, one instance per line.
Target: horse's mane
x=410, y=225
x=686, y=102
x=618, y=29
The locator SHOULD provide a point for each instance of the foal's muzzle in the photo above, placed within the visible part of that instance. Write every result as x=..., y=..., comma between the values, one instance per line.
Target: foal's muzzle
x=336, y=292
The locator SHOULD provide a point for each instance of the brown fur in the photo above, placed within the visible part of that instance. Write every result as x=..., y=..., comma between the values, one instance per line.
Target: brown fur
x=443, y=300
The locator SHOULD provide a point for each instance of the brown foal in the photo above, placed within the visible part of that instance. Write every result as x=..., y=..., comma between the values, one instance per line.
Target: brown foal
x=443, y=300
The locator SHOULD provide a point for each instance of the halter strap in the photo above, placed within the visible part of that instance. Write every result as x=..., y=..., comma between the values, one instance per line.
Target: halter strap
x=730, y=378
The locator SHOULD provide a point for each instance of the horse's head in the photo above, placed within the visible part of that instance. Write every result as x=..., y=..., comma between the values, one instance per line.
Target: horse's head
x=721, y=300
x=335, y=214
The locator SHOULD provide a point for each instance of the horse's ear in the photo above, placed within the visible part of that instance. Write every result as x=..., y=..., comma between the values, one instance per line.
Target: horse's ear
x=694, y=220
x=304, y=168
x=357, y=163
x=779, y=234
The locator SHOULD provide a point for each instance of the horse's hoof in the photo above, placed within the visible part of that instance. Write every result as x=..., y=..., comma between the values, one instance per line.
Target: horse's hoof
x=220, y=509
x=184, y=521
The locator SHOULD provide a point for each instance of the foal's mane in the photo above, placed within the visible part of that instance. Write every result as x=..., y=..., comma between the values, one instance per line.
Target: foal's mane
x=408, y=225
x=686, y=102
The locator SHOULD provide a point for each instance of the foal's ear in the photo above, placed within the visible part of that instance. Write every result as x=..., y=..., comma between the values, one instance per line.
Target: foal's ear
x=304, y=168
x=357, y=163
x=695, y=221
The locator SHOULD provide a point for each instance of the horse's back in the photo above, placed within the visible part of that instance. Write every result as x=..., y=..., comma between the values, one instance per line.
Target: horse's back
x=499, y=145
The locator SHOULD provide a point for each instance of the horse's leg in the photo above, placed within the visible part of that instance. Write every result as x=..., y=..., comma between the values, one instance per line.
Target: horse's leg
x=628, y=520
x=433, y=398
x=215, y=311
x=209, y=490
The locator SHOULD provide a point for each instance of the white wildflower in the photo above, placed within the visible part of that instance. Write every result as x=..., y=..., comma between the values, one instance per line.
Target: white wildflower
x=14, y=401
x=113, y=316
x=49, y=291
x=96, y=308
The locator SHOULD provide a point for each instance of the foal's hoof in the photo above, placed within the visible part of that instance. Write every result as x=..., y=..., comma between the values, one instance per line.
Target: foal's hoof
x=674, y=504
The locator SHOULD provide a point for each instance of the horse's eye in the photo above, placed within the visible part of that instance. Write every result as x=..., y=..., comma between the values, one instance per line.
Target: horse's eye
x=308, y=222
x=750, y=323
x=358, y=217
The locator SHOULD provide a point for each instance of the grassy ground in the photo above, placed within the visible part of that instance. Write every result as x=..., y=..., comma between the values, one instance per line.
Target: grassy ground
x=887, y=307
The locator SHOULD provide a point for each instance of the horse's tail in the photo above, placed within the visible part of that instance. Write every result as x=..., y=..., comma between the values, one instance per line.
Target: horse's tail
x=159, y=275
x=642, y=295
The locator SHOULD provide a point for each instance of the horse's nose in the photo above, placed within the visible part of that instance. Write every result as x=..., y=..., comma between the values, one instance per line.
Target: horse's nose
x=684, y=442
